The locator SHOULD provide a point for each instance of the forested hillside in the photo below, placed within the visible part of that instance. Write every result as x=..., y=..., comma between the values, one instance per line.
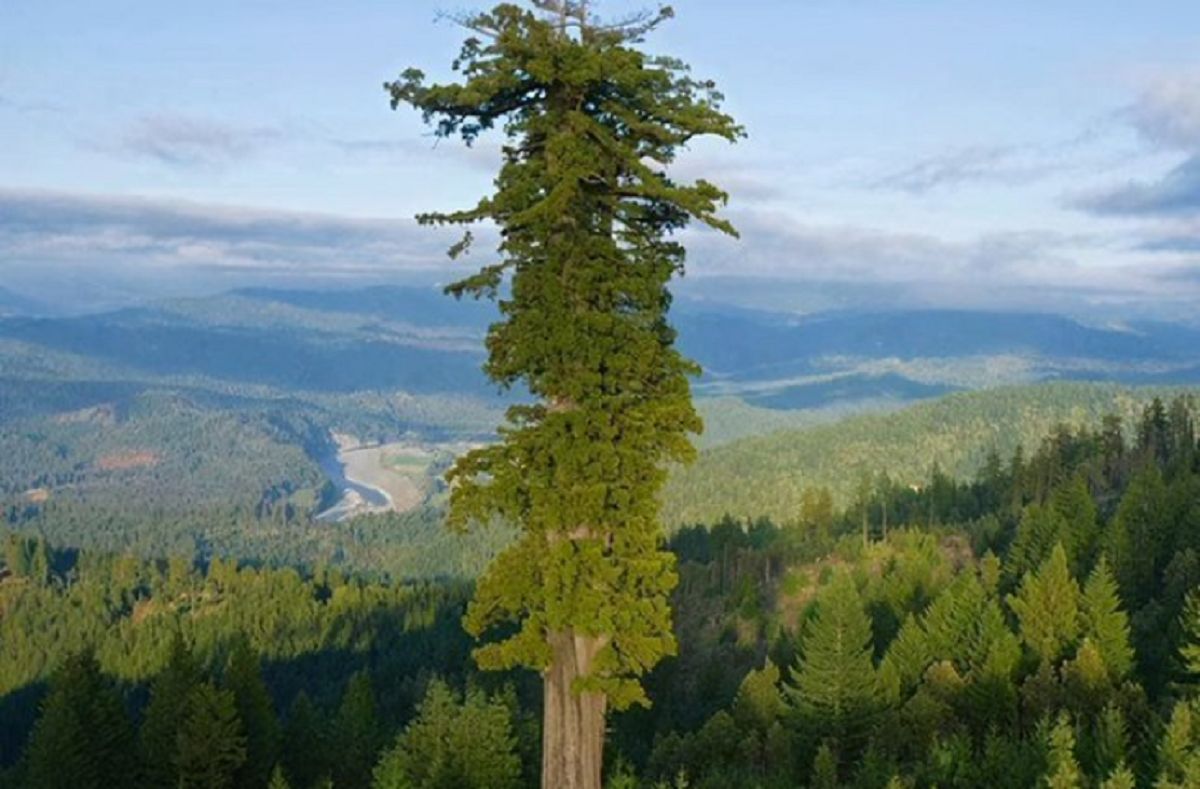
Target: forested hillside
x=1036, y=624
x=769, y=475
x=155, y=427
x=165, y=473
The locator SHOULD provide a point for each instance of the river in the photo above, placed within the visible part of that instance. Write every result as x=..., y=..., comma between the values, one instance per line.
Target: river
x=335, y=468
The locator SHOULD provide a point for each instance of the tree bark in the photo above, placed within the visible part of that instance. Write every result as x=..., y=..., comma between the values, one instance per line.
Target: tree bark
x=572, y=723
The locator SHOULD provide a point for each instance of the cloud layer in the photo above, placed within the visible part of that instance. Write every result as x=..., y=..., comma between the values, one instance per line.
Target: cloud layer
x=1167, y=112
x=191, y=140
x=1177, y=192
x=53, y=242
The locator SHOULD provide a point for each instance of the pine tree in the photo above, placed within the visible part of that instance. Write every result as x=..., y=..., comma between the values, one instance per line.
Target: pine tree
x=1137, y=542
x=759, y=702
x=1110, y=742
x=1189, y=625
x=211, y=744
x=356, y=731
x=1112, y=450
x=825, y=768
x=1040, y=529
x=1154, y=433
x=467, y=745
x=1104, y=623
x=1087, y=679
x=1119, y=778
x=1072, y=502
x=159, y=733
x=243, y=678
x=835, y=686
x=951, y=621
x=1047, y=606
x=1064, y=770
x=905, y=662
x=305, y=759
x=586, y=211
x=278, y=780
x=83, y=738
x=1179, y=749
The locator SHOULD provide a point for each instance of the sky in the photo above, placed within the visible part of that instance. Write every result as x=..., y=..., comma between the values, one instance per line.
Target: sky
x=901, y=153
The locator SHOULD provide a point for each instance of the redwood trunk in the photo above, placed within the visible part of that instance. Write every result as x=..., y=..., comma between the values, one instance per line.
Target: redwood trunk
x=572, y=723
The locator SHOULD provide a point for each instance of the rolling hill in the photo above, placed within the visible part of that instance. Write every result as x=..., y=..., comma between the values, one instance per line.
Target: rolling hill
x=767, y=475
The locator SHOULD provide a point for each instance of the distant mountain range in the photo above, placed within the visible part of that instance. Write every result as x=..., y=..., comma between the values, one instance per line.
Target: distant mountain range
x=782, y=361
x=415, y=339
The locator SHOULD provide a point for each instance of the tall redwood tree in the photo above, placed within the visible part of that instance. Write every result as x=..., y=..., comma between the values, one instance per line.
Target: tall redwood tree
x=587, y=213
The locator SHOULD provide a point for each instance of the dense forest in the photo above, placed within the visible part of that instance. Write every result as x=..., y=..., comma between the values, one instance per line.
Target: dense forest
x=767, y=475
x=1038, y=624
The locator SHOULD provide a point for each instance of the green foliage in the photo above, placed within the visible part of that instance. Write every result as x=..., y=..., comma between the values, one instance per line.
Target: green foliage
x=953, y=704
x=1064, y=769
x=1109, y=747
x=306, y=758
x=356, y=734
x=211, y=744
x=825, y=768
x=586, y=212
x=159, y=734
x=1190, y=624
x=1179, y=749
x=453, y=744
x=835, y=685
x=767, y=475
x=1120, y=778
x=1137, y=540
x=1047, y=606
x=243, y=678
x=1104, y=623
x=83, y=738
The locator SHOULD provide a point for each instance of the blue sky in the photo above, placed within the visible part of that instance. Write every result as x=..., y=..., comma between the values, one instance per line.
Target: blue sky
x=967, y=153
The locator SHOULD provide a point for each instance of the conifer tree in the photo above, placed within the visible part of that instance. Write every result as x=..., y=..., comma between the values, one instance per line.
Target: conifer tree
x=304, y=756
x=835, y=686
x=278, y=780
x=83, y=738
x=356, y=731
x=467, y=744
x=243, y=678
x=1189, y=624
x=759, y=702
x=1136, y=539
x=1120, y=778
x=906, y=659
x=1109, y=741
x=211, y=744
x=1086, y=678
x=952, y=619
x=1178, y=754
x=1047, y=605
x=158, y=737
x=1104, y=623
x=586, y=208
x=1072, y=502
x=825, y=768
x=1064, y=769
x=1040, y=529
